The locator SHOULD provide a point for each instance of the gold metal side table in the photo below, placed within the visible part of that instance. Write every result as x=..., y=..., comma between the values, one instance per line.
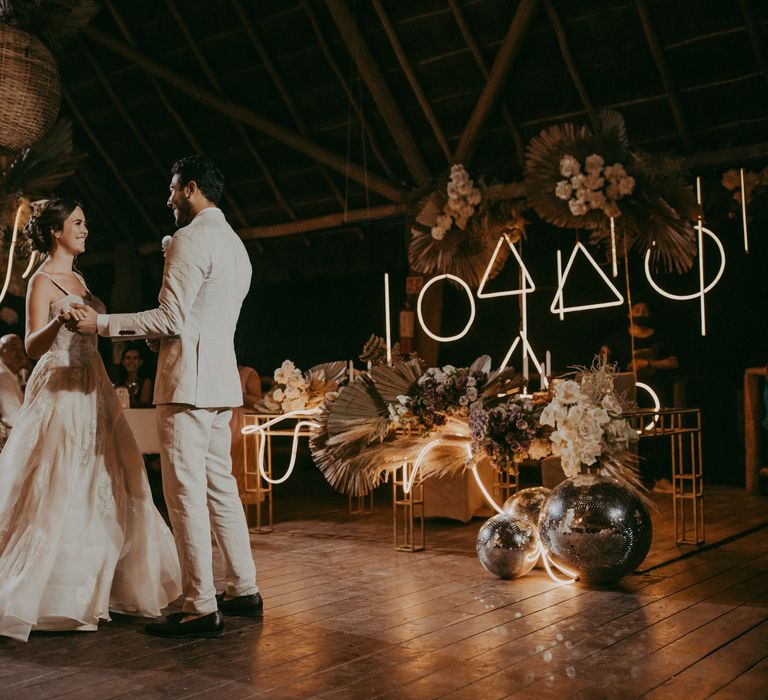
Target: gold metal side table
x=683, y=428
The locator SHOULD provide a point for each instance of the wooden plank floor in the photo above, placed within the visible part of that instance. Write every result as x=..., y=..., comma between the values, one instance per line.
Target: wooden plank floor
x=349, y=617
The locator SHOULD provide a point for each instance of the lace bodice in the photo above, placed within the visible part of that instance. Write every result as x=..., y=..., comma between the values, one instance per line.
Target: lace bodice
x=67, y=341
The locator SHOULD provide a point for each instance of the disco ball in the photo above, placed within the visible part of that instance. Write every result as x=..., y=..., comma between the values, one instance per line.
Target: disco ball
x=595, y=526
x=526, y=504
x=506, y=547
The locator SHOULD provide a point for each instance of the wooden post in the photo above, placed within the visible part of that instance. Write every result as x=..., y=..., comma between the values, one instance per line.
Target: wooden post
x=374, y=79
x=496, y=79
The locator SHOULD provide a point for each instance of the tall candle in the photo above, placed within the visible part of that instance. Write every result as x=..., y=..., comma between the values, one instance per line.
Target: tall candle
x=548, y=364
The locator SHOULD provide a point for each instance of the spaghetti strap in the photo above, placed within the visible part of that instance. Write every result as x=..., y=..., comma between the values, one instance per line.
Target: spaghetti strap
x=66, y=291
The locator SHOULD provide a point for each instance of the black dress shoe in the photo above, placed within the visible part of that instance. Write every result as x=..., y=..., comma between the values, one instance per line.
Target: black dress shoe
x=244, y=605
x=206, y=626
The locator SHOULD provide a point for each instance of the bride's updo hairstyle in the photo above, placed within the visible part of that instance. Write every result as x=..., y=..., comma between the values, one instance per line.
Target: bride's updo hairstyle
x=47, y=217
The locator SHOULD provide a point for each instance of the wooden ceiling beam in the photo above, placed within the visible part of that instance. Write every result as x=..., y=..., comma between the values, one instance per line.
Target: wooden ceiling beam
x=282, y=88
x=244, y=137
x=666, y=77
x=754, y=36
x=353, y=103
x=477, y=54
x=120, y=107
x=180, y=122
x=247, y=116
x=489, y=97
x=570, y=64
x=405, y=64
x=108, y=160
x=377, y=85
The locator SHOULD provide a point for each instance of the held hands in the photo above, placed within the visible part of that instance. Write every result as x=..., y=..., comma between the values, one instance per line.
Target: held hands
x=69, y=319
x=84, y=319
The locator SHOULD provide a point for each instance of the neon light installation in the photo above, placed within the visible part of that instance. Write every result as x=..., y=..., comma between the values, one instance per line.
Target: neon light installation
x=462, y=333
x=558, y=303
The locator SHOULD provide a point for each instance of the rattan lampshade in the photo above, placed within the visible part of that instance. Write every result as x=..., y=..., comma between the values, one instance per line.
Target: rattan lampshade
x=30, y=92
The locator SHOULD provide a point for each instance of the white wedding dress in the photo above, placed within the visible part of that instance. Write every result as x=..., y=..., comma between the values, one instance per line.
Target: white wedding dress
x=79, y=534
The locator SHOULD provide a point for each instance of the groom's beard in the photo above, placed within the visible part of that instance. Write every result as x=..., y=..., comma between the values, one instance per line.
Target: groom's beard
x=183, y=217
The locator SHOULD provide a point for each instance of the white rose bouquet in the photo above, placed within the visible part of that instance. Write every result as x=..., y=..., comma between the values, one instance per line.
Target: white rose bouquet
x=589, y=429
x=596, y=186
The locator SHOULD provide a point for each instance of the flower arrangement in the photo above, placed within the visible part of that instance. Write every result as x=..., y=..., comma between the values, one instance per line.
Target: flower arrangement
x=754, y=183
x=599, y=186
x=296, y=391
x=439, y=394
x=509, y=432
x=568, y=184
x=462, y=198
x=457, y=226
x=586, y=417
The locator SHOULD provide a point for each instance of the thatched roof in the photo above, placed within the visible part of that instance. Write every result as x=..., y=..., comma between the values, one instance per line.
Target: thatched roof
x=321, y=112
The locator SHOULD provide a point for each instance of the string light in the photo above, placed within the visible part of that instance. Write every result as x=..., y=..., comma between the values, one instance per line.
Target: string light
x=563, y=276
x=461, y=334
x=614, y=263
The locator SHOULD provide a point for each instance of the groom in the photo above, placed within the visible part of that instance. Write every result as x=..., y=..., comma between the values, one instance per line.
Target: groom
x=206, y=277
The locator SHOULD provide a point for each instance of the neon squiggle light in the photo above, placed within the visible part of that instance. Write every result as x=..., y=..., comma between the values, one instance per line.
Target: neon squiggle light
x=10, y=253
x=30, y=264
x=408, y=480
x=558, y=304
x=462, y=333
x=249, y=429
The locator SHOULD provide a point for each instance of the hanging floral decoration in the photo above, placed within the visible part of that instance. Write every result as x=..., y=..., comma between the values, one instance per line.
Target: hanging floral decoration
x=457, y=227
x=576, y=178
x=755, y=186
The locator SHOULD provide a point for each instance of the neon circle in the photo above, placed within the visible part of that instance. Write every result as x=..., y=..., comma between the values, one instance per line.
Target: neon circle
x=446, y=338
x=656, y=404
x=695, y=295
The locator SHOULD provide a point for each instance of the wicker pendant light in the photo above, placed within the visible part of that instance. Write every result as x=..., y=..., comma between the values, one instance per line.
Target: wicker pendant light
x=30, y=91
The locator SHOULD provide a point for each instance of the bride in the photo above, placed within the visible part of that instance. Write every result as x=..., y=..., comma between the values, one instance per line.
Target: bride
x=79, y=534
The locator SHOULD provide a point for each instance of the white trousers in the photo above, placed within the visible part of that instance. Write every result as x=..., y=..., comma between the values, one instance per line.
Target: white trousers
x=201, y=495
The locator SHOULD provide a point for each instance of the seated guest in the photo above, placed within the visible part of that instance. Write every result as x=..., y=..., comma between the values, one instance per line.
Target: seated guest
x=131, y=375
x=12, y=360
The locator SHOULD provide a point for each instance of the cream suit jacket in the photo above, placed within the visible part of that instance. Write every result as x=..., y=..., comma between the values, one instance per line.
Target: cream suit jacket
x=206, y=277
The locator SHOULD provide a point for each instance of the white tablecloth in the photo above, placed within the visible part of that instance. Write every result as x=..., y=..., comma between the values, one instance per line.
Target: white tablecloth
x=143, y=422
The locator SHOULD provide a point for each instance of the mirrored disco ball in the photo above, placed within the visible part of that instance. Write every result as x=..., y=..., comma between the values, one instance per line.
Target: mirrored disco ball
x=526, y=504
x=506, y=547
x=595, y=526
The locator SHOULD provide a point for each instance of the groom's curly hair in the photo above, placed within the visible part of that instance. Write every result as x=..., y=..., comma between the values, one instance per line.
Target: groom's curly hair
x=204, y=172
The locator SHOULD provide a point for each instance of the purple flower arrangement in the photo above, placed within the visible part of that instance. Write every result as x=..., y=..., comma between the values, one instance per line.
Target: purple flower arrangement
x=509, y=432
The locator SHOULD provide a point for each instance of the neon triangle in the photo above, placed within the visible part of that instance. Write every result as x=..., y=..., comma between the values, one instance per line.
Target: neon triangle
x=562, y=277
x=528, y=285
